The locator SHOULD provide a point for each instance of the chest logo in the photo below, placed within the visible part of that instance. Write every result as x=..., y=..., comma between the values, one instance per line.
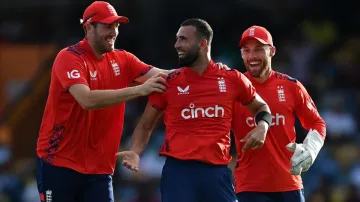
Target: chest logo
x=184, y=91
x=222, y=85
x=281, y=94
x=115, y=67
x=93, y=75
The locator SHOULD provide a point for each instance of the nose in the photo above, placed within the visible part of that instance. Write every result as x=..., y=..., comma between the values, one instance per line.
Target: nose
x=177, y=45
x=114, y=30
x=252, y=55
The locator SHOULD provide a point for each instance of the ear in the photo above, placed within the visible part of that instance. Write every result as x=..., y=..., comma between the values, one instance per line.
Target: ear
x=272, y=51
x=89, y=28
x=203, y=43
x=241, y=52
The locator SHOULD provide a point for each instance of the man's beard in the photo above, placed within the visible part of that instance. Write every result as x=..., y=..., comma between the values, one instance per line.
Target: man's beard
x=190, y=58
x=261, y=72
x=101, y=47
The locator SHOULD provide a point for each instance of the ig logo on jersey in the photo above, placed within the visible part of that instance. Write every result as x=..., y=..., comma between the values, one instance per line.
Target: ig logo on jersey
x=74, y=74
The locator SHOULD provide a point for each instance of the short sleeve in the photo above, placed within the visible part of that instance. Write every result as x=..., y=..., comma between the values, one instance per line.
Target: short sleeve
x=69, y=69
x=135, y=67
x=158, y=101
x=246, y=90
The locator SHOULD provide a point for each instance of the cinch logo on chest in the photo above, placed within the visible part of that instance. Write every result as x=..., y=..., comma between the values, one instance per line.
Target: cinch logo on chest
x=210, y=112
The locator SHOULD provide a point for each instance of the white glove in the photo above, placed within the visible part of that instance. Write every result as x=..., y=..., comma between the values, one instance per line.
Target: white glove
x=306, y=153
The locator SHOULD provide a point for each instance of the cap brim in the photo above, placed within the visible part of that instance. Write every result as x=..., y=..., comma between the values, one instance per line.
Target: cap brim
x=113, y=19
x=243, y=40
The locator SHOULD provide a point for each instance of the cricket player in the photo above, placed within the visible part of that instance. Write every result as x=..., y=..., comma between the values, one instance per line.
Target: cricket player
x=272, y=173
x=83, y=118
x=198, y=106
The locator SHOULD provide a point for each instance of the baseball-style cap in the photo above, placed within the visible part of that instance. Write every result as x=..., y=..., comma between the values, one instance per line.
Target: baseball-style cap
x=103, y=12
x=259, y=33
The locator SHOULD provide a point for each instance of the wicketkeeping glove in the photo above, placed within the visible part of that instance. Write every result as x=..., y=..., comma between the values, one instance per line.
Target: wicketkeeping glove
x=305, y=153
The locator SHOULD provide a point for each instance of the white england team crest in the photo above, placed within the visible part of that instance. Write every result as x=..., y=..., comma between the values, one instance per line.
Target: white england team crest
x=252, y=31
x=222, y=84
x=115, y=67
x=281, y=94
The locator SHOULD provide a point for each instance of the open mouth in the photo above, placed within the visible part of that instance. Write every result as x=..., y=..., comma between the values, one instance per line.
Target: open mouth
x=255, y=64
x=181, y=54
x=110, y=41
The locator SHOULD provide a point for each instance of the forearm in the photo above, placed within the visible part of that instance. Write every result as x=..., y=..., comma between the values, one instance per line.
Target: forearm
x=140, y=139
x=318, y=125
x=104, y=98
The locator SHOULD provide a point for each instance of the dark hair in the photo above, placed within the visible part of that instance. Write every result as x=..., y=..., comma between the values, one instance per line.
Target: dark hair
x=202, y=28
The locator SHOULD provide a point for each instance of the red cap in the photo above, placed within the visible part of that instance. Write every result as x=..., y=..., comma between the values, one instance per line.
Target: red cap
x=103, y=12
x=258, y=33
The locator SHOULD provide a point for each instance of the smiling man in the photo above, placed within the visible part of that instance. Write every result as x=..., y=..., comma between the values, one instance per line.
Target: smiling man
x=83, y=118
x=197, y=108
x=272, y=174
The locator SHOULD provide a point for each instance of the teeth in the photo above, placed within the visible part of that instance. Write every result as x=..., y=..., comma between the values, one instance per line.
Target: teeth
x=180, y=53
x=111, y=41
x=254, y=63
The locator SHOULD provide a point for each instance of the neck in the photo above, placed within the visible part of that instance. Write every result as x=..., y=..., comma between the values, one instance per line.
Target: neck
x=93, y=47
x=201, y=64
x=264, y=77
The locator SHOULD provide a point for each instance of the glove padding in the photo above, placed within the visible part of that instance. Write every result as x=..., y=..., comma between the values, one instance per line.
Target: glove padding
x=306, y=153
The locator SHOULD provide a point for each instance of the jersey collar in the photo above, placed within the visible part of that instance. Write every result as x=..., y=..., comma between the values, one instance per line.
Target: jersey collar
x=208, y=70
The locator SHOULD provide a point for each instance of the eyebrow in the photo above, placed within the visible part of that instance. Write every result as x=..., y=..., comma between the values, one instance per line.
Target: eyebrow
x=181, y=37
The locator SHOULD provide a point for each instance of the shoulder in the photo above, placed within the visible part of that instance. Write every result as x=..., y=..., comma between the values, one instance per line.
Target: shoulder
x=121, y=52
x=286, y=78
x=75, y=49
x=234, y=75
x=289, y=81
x=177, y=73
x=70, y=53
x=230, y=73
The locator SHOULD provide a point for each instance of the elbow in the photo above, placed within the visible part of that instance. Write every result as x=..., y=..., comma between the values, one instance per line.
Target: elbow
x=265, y=107
x=146, y=127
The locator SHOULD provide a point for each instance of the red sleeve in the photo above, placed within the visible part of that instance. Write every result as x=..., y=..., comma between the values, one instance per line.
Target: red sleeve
x=69, y=69
x=306, y=111
x=245, y=88
x=158, y=101
x=136, y=67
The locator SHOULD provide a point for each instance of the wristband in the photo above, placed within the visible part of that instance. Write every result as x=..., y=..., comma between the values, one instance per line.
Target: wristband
x=263, y=116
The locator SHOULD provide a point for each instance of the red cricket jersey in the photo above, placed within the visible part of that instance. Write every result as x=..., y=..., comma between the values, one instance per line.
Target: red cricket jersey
x=198, y=112
x=85, y=140
x=268, y=169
